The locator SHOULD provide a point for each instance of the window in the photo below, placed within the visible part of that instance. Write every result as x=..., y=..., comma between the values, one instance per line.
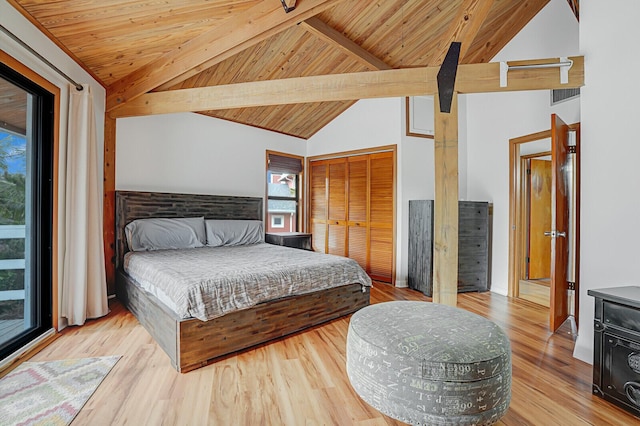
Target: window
x=284, y=172
x=277, y=221
x=26, y=209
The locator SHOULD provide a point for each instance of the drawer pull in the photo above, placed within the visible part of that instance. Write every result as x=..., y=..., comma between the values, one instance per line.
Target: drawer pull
x=632, y=389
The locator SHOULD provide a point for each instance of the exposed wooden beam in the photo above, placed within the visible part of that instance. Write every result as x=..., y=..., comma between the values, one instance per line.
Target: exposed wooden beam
x=323, y=31
x=235, y=34
x=472, y=78
x=464, y=27
x=445, y=214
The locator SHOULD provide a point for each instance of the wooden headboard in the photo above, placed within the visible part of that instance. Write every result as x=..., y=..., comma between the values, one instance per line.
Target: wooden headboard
x=132, y=205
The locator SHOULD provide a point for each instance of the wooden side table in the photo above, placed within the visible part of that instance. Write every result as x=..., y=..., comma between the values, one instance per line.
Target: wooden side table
x=300, y=240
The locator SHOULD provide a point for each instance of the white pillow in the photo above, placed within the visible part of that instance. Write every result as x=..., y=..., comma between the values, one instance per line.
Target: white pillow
x=165, y=233
x=234, y=232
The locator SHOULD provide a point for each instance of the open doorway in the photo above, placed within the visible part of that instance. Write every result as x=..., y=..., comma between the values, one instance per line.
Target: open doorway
x=535, y=278
x=544, y=230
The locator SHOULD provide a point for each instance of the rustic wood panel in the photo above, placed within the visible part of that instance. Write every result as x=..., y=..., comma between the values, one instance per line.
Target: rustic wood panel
x=132, y=205
x=144, y=44
x=202, y=342
x=420, y=253
x=159, y=321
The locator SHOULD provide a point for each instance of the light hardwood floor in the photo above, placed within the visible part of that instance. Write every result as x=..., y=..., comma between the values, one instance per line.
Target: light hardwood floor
x=301, y=380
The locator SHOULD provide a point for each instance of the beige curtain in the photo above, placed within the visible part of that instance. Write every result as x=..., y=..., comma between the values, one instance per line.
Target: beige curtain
x=84, y=289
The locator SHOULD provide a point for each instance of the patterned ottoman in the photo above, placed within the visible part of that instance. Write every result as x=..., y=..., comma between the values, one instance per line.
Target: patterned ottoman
x=429, y=364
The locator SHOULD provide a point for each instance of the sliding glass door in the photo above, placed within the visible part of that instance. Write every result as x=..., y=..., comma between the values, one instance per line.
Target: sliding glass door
x=26, y=194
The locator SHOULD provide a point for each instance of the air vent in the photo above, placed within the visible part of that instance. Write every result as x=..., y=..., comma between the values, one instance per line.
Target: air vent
x=561, y=95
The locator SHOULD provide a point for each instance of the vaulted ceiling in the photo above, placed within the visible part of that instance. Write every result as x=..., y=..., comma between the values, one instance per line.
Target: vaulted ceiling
x=137, y=46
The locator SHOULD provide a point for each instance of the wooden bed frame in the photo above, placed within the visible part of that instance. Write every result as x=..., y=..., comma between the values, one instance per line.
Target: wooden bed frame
x=192, y=343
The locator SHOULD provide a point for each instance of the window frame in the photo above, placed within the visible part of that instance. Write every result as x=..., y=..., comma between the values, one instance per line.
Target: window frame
x=297, y=197
x=43, y=199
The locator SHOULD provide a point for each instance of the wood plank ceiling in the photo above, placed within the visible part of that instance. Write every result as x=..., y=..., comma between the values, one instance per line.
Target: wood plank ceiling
x=136, y=46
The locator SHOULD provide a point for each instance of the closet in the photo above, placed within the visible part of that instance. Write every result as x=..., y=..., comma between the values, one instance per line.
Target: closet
x=351, y=209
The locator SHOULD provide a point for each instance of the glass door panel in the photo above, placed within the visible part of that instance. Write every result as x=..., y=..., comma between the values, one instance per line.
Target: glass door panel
x=25, y=211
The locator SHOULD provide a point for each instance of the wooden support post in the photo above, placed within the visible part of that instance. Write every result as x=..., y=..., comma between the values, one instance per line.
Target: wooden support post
x=445, y=224
x=109, y=202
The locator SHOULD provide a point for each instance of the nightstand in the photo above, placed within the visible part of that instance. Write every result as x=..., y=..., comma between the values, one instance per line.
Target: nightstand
x=300, y=240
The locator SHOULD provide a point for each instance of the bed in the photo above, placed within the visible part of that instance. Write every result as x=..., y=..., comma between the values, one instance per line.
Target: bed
x=197, y=337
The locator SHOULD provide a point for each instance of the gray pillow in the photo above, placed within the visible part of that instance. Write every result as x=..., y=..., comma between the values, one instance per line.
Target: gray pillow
x=165, y=233
x=234, y=232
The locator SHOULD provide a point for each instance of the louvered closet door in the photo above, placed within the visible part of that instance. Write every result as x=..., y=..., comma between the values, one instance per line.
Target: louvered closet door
x=381, y=186
x=357, y=211
x=351, y=208
x=318, y=205
x=336, y=220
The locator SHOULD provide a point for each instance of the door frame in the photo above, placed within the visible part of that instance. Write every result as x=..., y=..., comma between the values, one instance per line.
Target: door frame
x=516, y=246
x=516, y=213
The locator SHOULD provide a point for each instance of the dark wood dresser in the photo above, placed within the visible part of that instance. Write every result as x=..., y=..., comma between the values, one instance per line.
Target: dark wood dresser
x=616, y=348
x=474, y=246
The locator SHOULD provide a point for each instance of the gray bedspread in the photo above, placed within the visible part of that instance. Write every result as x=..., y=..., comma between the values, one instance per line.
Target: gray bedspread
x=208, y=282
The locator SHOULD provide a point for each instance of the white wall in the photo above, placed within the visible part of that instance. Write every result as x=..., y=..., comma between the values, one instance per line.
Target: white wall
x=494, y=118
x=22, y=28
x=195, y=153
x=610, y=219
x=368, y=123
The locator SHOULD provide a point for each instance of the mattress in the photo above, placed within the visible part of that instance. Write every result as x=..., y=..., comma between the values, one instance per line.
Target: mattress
x=208, y=282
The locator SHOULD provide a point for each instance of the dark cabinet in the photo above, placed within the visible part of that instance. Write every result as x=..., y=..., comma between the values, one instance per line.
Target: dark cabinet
x=616, y=349
x=474, y=232
x=300, y=240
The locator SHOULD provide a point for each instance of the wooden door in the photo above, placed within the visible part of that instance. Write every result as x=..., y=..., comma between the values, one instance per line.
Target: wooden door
x=539, y=265
x=318, y=205
x=357, y=209
x=337, y=208
x=381, y=189
x=559, y=311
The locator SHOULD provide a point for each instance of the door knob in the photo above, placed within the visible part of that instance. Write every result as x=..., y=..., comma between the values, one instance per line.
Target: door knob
x=554, y=234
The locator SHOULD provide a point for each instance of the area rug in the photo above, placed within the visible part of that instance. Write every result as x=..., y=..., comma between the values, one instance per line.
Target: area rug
x=51, y=392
